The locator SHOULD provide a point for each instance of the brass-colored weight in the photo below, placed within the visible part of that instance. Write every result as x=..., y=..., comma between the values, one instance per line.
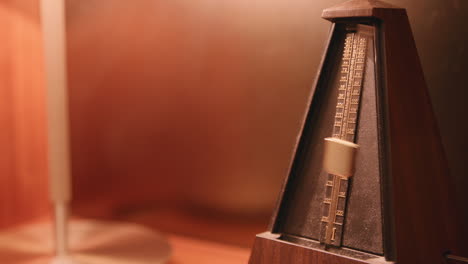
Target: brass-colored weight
x=339, y=157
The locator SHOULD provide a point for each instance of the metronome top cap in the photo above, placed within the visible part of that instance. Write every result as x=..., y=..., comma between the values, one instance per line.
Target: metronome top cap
x=356, y=8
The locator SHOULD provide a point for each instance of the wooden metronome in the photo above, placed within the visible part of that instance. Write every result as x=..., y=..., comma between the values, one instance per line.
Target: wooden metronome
x=369, y=182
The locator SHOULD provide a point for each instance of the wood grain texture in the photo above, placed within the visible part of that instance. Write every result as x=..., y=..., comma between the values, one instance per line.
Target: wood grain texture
x=268, y=249
x=23, y=164
x=426, y=220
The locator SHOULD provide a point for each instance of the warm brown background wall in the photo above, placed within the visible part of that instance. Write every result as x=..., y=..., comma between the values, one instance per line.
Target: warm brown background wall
x=209, y=94
x=22, y=114
x=174, y=94
x=194, y=101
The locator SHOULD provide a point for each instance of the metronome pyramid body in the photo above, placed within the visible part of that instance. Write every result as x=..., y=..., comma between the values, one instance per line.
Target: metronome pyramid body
x=397, y=206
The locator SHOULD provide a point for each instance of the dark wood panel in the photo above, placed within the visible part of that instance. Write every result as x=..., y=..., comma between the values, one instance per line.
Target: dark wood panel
x=424, y=195
x=268, y=249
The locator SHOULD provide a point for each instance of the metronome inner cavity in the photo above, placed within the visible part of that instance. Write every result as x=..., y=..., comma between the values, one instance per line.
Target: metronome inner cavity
x=344, y=127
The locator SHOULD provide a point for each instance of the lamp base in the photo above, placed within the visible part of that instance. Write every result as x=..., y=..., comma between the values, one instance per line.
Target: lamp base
x=91, y=242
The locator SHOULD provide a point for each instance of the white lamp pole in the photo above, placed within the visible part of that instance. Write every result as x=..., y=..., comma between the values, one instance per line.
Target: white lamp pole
x=54, y=36
x=119, y=236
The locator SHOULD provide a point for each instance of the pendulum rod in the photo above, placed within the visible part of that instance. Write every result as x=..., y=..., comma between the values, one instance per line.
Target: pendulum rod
x=344, y=128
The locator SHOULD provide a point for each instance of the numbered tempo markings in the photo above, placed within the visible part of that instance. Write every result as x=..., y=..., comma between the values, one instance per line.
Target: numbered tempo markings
x=340, y=150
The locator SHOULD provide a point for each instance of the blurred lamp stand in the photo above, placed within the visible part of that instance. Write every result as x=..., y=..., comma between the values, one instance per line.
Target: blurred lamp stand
x=74, y=241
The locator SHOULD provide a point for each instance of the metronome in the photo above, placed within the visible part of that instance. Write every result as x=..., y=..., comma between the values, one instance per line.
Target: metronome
x=369, y=182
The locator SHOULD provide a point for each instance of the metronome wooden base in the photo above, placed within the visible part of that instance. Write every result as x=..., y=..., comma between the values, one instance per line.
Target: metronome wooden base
x=271, y=249
x=91, y=242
